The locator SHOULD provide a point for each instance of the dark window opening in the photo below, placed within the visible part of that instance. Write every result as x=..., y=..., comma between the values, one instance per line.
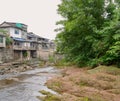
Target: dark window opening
x=16, y=31
x=1, y=39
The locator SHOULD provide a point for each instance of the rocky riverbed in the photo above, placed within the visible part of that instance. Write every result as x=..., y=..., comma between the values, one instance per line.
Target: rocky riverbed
x=19, y=66
x=22, y=81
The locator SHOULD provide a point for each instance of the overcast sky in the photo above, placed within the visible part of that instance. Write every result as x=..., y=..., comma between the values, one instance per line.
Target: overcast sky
x=39, y=15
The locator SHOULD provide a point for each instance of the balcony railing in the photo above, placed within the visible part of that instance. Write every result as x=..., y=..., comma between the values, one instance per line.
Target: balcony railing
x=19, y=47
x=42, y=41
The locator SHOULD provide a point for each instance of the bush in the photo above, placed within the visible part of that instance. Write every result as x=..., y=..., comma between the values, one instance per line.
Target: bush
x=25, y=54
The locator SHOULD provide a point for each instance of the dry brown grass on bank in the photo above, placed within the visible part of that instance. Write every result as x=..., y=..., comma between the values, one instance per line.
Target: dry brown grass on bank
x=99, y=84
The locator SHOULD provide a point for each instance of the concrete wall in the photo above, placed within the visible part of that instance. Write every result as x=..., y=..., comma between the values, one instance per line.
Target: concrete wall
x=23, y=34
x=12, y=33
x=17, y=55
x=44, y=54
x=6, y=54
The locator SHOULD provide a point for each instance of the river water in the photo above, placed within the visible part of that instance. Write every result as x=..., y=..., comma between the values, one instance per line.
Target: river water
x=25, y=86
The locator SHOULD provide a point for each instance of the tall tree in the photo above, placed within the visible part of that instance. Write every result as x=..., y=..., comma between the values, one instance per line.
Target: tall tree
x=112, y=35
x=85, y=20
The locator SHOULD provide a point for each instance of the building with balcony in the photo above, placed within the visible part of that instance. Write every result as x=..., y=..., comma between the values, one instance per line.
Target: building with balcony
x=25, y=45
x=22, y=47
x=17, y=30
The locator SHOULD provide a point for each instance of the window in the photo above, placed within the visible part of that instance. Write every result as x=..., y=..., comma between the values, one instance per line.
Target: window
x=16, y=31
x=1, y=39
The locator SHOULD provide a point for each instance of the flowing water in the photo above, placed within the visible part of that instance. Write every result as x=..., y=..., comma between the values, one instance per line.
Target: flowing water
x=25, y=86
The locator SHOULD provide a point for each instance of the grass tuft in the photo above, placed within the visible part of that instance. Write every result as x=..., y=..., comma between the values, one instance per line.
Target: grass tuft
x=48, y=96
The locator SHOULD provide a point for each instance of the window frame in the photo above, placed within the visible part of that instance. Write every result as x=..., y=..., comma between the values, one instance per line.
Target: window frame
x=17, y=31
x=1, y=39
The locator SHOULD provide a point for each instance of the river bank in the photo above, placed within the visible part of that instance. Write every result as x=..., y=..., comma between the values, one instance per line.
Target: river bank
x=75, y=84
x=69, y=83
x=21, y=66
x=18, y=66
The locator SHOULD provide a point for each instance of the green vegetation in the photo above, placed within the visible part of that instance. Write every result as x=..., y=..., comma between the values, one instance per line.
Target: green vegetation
x=62, y=62
x=85, y=99
x=59, y=62
x=49, y=97
x=25, y=54
x=106, y=69
x=91, y=33
x=8, y=39
x=51, y=58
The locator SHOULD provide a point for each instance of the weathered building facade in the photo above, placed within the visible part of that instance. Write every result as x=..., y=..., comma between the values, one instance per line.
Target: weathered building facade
x=22, y=48
x=25, y=45
x=2, y=40
x=6, y=54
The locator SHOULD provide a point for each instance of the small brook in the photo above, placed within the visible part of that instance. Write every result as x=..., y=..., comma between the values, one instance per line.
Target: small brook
x=25, y=86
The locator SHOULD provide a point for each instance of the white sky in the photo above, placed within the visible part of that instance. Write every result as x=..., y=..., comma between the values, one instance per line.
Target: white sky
x=39, y=15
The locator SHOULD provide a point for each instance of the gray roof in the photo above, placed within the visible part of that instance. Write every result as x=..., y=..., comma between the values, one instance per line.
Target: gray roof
x=31, y=34
x=15, y=25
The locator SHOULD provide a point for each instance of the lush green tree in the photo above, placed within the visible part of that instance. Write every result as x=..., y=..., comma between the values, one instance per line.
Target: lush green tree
x=89, y=30
x=112, y=38
x=8, y=39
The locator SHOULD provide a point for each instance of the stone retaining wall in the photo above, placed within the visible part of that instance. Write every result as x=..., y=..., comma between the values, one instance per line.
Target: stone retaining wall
x=6, y=55
x=44, y=54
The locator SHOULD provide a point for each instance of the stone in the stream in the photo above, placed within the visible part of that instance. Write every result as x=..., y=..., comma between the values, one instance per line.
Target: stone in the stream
x=13, y=79
x=1, y=73
x=27, y=67
x=1, y=62
x=16, y=63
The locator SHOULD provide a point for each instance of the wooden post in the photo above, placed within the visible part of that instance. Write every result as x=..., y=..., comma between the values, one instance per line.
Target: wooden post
x=28, y=55
x=21, y=55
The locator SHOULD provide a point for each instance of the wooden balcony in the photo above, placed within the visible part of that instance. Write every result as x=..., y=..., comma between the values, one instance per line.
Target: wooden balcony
x=33, y=48
x=18, y=47
x=42, y=41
